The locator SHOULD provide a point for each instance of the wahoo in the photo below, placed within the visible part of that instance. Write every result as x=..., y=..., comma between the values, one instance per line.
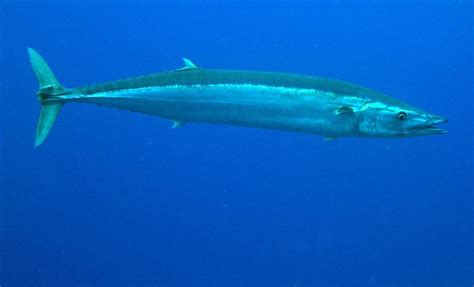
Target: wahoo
x=326, y=107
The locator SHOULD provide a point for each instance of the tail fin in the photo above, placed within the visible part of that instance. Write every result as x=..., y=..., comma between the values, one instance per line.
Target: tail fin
x=48, y=87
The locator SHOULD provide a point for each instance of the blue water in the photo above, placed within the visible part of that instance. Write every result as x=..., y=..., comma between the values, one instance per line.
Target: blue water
x=115, y=198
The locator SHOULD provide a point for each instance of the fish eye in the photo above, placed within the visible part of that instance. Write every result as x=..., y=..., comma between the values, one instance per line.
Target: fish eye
x=402, y=116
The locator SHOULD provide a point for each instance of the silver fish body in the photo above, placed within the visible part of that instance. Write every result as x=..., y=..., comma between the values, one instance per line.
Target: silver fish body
x=326, y=107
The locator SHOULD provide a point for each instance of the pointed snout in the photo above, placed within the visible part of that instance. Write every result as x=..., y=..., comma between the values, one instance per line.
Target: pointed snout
x=439, y=120
x=428, y=126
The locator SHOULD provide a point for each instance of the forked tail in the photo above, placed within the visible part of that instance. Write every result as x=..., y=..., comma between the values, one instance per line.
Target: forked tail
x=48, y=88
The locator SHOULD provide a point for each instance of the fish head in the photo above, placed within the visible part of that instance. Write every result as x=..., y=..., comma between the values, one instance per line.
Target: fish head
x=397, y=119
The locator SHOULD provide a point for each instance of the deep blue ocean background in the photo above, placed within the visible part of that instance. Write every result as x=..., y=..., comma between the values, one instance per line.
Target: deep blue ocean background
x=115, y=198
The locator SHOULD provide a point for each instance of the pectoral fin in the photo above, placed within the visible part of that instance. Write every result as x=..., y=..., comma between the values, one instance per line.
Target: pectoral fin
x=344, y=110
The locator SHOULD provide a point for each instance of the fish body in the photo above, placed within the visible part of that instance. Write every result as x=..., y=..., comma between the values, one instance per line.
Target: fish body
x=326, y=107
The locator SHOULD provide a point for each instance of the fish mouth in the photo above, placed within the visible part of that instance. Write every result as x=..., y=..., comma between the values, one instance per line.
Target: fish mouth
x=428, y=129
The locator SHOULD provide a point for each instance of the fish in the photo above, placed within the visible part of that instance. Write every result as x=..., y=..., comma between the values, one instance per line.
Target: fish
x=288, y=102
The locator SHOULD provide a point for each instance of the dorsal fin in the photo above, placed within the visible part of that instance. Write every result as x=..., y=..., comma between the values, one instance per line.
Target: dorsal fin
x=188, y=65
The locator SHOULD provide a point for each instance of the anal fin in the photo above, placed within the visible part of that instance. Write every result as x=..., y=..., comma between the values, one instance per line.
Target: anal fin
x=177, y=124
x=329, y=139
